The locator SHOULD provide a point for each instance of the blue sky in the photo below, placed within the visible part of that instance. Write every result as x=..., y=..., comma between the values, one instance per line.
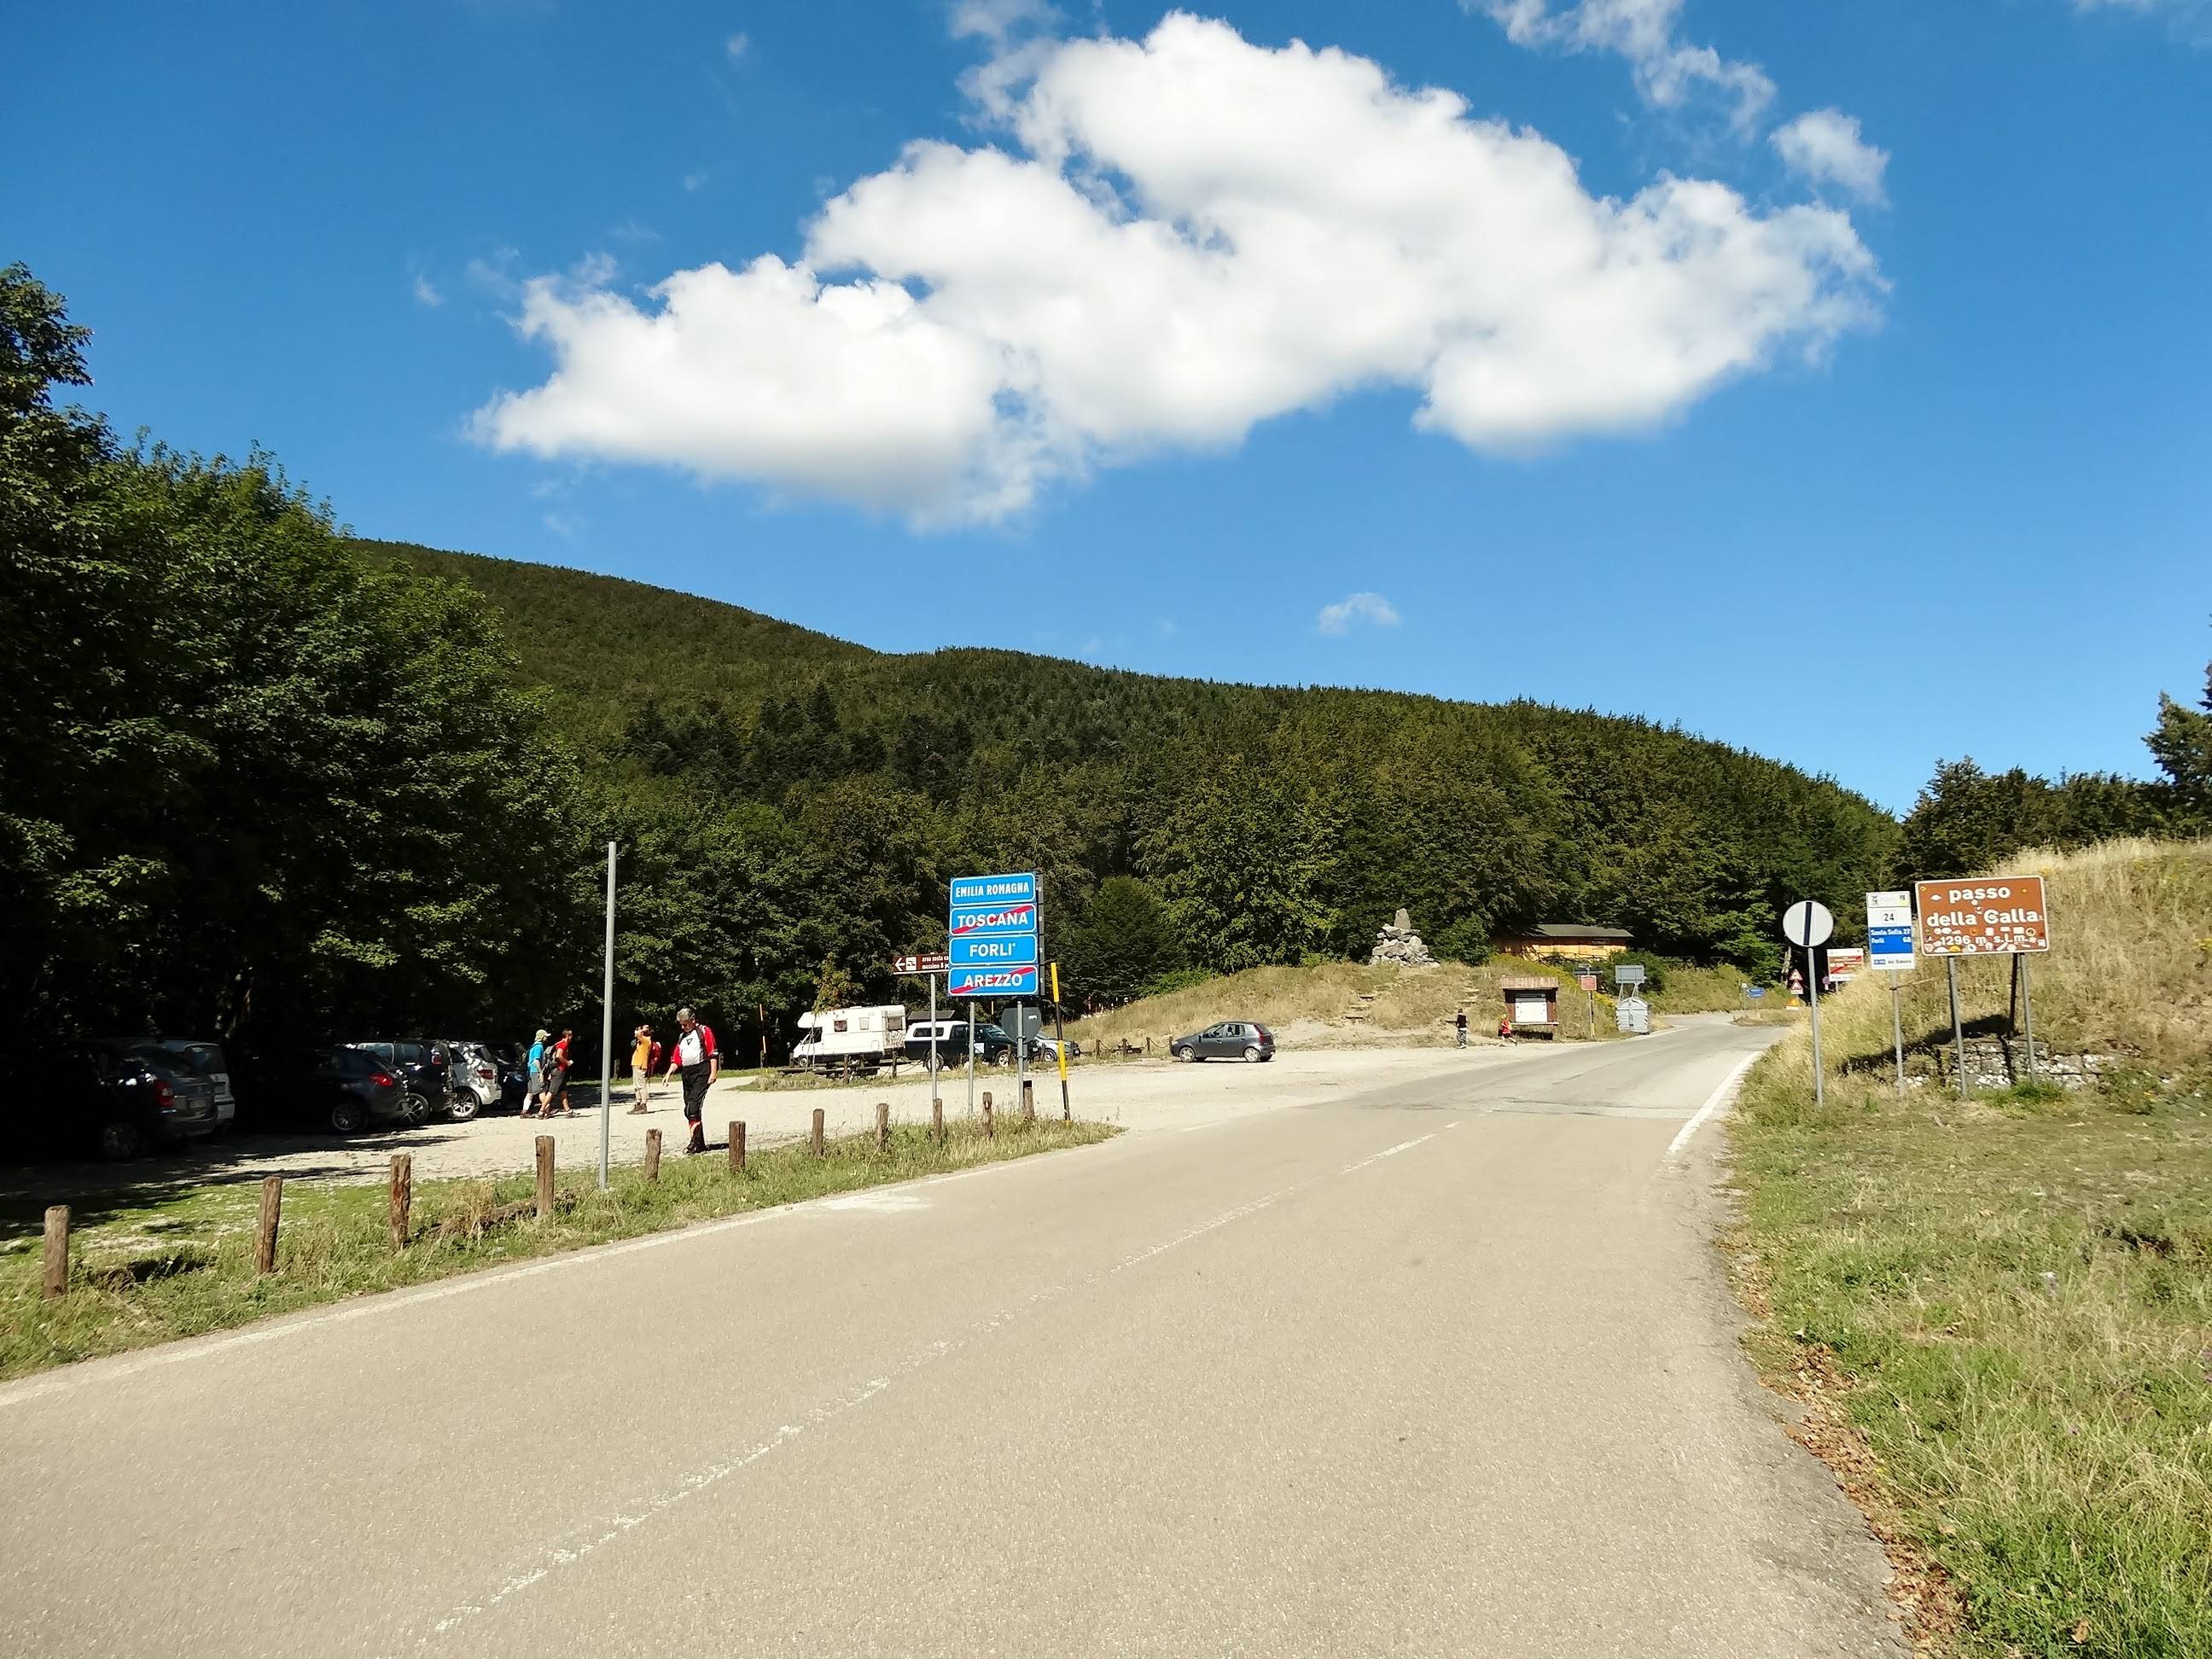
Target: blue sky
x=1634, y=374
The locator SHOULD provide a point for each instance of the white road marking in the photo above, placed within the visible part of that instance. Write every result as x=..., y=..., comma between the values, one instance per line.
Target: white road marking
x=1388, y=1151
x=1719, y=1097
x=883, y=1201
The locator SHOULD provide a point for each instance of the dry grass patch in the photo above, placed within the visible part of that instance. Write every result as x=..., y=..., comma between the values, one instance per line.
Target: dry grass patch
x=2008, y=1301
x=1306, y=1007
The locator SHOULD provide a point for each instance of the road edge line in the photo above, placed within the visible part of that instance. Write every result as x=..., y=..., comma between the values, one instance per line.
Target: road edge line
x=1721, y=1096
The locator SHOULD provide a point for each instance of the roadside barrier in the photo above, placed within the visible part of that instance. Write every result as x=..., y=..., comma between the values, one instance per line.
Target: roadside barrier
x=403, y=1198
x=737, y=1145
x=57, y=1261
x=265, y=1233
x=653, y=1154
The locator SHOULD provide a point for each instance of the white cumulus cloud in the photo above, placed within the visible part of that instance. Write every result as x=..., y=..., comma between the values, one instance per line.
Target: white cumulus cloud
x=1188, y=234
x=1825, y=146
x=1357, y=608
x=1668, y=72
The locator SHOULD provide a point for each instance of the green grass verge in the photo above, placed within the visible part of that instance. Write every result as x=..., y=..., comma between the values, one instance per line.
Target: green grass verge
x=182, y=1264
x=2011, y=1300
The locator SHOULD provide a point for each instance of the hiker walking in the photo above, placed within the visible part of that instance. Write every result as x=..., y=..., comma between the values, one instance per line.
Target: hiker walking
x=641, y=1049
x=694, y=1057
x=533, y=1074
x=561, y=1059
x=1459, y=1027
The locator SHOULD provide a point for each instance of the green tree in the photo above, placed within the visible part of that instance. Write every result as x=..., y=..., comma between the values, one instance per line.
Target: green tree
x=2182, y=746
x=1122, y=941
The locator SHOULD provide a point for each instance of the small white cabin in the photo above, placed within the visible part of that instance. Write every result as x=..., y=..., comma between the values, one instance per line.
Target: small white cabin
x=839, y=1036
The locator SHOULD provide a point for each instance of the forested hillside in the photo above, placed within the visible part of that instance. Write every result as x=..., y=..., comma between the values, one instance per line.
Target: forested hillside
x=1264, y=824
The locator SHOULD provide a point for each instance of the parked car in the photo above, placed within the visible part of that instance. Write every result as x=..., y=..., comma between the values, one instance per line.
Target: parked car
x=475, y=1075
x=339, y=1088
x=425, y=1070
x=992, y=1044
x=1232, y=1039
x=205, y=1058
x=122, y=1098
x=1045, y=1050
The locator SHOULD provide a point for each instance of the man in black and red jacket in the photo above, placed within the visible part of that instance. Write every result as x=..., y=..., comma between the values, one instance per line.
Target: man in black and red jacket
x=694, y=1056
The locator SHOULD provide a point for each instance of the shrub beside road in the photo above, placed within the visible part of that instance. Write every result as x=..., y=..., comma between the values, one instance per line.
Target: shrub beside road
x=151, y=1270
x=1998, y=1311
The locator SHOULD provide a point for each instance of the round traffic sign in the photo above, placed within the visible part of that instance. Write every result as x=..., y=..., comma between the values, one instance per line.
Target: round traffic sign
x=1807, y=923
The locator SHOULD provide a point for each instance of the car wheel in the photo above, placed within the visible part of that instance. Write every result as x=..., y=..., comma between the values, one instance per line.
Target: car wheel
x=349, y=1117
x=1186, y=1053
x=416, y=1109
x=1253, y=1056
x=122, y=1140
x=466, y=1105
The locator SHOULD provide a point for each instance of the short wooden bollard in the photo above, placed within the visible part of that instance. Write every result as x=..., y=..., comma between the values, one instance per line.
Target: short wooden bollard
x=265, y=1233
x=1029, y=1100
x=814, y=1136
x=545, y=1177
x=653, y=1154
x=403, y=1198
x=58, y=1218
x=937, y=1121
x=737, y=1147
x=988, y=1132
x=883, y=1126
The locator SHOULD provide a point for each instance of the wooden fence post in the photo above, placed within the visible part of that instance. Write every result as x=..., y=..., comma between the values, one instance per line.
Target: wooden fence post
x=544, y=1178
x=988, y=1132
x=403, y=1198
x=58, y=1220
x=738, y=1147
x=264, y=1233
x=653, y=1154
x=937, y=1121
x=883, y=1126
x=814, y=1137
x=1029, y=1101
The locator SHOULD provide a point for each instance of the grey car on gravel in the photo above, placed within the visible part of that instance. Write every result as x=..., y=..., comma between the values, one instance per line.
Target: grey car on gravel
x=1232, y=1039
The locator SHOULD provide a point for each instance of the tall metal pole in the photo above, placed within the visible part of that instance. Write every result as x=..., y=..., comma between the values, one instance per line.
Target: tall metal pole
x=1813, y=987
x=1059, y=1036
x=2027, y=1007
x=969, y=1027
x=607, y=1028
x=1958, y=1027
x=933, y=1036
x=1897, y=1026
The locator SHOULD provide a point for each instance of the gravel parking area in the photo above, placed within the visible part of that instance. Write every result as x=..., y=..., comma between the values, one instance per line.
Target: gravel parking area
x=1140, y=1095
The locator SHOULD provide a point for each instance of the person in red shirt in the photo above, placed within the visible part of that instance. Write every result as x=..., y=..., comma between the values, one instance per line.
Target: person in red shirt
x=563, y=1061
x=694, y=1057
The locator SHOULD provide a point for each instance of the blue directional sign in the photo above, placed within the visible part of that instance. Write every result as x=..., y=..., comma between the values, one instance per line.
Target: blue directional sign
x=994, y=982
x=1009, y=950
x=990, y=934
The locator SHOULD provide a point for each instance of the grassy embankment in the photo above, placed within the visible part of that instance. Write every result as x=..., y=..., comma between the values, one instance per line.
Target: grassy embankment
x=1342, y=1005
x=1999, y=1311
x=152, y=1267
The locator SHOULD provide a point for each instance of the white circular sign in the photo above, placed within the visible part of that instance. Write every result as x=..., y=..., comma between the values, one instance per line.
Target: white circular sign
x=1807, y=923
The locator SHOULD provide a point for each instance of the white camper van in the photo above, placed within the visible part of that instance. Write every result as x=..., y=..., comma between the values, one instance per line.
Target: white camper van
x=858, y=1039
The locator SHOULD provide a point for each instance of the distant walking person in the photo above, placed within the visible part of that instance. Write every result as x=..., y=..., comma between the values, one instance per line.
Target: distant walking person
x=533, y=1074
x=561, y=1061
x=1459, y=1027
x=641, y=1046
x=695, y=1056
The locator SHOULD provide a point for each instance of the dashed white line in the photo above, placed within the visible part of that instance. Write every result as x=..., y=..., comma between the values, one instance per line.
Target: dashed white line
x=1388, y=1151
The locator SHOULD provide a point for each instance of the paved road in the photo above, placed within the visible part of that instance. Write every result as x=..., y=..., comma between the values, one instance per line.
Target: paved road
x=1445, y=1368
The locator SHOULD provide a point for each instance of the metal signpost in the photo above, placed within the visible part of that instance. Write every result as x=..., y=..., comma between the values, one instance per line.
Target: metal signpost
x=1985, y=916
x=607, y=1028
x=1808, y=924
x=991, y=938
x=928, y=965
x=1889, y=951
x=1059, y=1036
x=1588, y=981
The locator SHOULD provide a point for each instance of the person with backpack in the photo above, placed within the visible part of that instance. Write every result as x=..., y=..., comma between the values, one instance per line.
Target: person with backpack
x=533, y=1074
x=560, y=1060
x=1459, y=1026
x=694, y=1057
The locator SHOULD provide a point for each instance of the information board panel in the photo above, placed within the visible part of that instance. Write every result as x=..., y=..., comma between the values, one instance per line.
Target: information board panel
x=1987, y=916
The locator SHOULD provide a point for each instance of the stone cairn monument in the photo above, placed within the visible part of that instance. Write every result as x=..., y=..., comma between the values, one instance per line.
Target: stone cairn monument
x=1398, y=946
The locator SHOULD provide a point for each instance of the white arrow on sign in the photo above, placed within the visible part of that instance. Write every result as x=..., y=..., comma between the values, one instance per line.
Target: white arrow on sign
x=1807, y=923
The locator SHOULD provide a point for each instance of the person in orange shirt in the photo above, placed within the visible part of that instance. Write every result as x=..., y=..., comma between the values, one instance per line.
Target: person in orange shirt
x=641, y=1046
